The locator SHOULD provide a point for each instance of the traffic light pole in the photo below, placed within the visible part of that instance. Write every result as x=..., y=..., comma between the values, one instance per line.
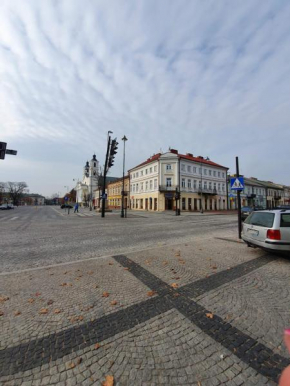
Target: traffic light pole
x=104, y=178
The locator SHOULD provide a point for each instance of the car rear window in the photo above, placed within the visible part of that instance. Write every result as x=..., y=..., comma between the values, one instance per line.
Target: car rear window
x=285, y=220
x=261, y=219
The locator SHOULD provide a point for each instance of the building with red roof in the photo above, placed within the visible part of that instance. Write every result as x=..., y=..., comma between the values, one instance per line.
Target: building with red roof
x=174, y=181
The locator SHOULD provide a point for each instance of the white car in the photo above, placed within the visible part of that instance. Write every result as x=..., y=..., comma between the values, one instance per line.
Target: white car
x=268, y=229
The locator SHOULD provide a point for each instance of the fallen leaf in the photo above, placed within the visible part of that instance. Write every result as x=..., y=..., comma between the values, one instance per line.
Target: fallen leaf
x=50, y=302
x=96, y=286
x=198, y=383
x=109, y=381
x=105, y=294
x=16, y=313
x=177, y=254
x=81, y=317
x=51, y=274
x=114, y=302
x=176, y=294
x=31, y=300
x=214, y=267
x=174, y=285
x=79, y=361
x=151, y=293
x=57, y=311
x=63, y=284
x=1, y=313
x=65, y=273
x=97, y=345
x=90, y=272
x=209, y=315
x=165, y=262
x=37, y=293
x=43, y=311
x=111, y=263
x=126, y=269
x=71, y=365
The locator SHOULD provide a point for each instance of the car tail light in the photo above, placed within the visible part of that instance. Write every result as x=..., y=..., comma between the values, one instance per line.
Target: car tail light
x=273, y=234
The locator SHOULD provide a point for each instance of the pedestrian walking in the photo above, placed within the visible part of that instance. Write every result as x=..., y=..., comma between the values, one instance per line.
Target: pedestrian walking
x=76, y=208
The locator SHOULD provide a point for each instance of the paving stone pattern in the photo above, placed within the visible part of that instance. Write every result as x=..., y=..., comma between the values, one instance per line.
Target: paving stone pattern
x=42, y=351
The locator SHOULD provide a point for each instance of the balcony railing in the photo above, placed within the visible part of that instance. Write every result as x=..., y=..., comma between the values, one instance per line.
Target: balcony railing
x=207, y=191
x=167, y=188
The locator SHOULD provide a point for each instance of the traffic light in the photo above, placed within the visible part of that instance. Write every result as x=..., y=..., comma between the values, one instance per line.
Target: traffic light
x=113, y=152
x=2, y=150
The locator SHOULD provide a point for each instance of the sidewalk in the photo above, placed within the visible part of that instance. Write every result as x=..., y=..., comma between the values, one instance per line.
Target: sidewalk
x=167, y=316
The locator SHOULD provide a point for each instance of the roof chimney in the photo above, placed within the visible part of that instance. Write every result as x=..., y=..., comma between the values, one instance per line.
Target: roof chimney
x=174, y=151
x=190, y=154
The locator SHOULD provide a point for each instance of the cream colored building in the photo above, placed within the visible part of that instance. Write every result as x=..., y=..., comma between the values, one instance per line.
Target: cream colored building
x=156, y=183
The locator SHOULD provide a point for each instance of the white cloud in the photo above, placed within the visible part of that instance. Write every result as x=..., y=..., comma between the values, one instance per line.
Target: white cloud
x=207, y=77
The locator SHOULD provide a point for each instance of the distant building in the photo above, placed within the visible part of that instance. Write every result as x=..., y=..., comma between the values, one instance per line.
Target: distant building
x=89, y=183
x=198, y=182
x=115, y=189
x=32, y=199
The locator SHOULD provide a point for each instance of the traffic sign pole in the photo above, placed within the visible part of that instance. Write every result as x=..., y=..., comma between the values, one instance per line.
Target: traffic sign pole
x=239, y=200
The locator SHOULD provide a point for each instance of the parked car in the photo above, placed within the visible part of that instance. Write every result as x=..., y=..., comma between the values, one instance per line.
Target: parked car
x=268, y=229
x=10, y=206
x=5, y=207
x=246, y=211
x=65, y=206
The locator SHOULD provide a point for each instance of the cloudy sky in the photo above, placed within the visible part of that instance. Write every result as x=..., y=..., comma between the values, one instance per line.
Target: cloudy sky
x=207, y=77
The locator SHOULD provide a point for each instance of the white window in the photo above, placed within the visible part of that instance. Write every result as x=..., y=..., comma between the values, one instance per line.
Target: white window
x=189, y=183
x=205, y=184
x=151, y=170
x=223, y=187
x=183, y=182
x=223, y=175
x=183, y=167
x=133, y=175
x=214, y=173
x=199, y=184
x=214, y=185
x=141, y=186
x=137, y=174
x=141, y=173
x=146, y=185
x=168, y=181
x=189, y=169
x=205, y=171
x=168, y=167
x=219, y=174
x=209, y=172
x=155, y=183
x=137, y=187
x=155, y=168
x=194, y=184
x=194, y=169
x=151, y=184
x=134, y=188
x=219, y=187
x=209, y=185
x=146, y=171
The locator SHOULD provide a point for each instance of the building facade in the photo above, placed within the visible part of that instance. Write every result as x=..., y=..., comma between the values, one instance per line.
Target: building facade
x=171, y=179
x=89, y=184
x=115, y=189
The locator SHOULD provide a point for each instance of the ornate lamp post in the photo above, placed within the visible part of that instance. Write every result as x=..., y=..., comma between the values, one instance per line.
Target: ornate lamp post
x=124, y=139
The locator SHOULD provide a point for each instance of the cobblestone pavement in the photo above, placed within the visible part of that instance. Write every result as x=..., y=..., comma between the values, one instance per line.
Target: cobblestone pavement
x=208, y=311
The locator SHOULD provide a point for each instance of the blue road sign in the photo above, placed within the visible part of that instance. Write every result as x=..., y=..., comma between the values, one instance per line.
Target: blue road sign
x=237, y=183
x=66, y=198
x=104, y=196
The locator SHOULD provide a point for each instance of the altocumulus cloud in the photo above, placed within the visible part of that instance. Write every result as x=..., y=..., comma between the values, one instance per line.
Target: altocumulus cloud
x=210, y=77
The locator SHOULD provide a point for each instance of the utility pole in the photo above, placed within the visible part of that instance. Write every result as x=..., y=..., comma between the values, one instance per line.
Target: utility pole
x=239, y=200
x=201, y=208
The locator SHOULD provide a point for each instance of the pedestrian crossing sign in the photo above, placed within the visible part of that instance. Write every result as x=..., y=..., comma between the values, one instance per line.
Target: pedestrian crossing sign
x=237, y=183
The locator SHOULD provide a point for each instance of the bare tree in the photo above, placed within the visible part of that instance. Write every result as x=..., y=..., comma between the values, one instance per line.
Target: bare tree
x=2, y=191
x=15, y=191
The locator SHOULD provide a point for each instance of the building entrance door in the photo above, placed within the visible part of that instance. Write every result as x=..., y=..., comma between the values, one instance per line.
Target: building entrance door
x=189, y=204
x=195, y=203
x=168, y=203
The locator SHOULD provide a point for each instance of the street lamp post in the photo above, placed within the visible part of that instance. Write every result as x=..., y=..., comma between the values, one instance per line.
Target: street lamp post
x=124, y=139
x=201, y=209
